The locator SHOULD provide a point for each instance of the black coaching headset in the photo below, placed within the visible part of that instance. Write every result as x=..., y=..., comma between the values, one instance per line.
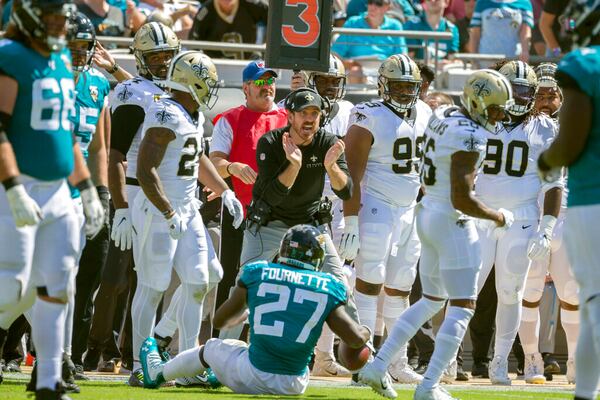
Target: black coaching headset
x=325, y=108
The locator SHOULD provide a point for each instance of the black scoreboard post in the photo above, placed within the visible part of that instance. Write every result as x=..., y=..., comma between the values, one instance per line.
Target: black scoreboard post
x=299, y=34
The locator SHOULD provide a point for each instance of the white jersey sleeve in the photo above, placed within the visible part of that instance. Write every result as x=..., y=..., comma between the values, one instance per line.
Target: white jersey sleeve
x=391, y=173
x=178, y=170
x=222, y=136
x=139, y=92
x=448, y=132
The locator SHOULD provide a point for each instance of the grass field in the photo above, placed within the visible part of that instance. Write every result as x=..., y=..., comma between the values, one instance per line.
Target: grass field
x=13, y=389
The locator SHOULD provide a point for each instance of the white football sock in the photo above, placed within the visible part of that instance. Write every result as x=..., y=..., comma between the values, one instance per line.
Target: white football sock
x=448, y=339
x=379, y=321
x=393, y=307
x=570, y=323
x=529, y=331
x=143, y=312
x=48, y=332
x=167, y=325
x=404, y=329
x=69, y=325
x=366, y=306
x=508, y=318
x=188, y=314
x=587, y=357
x=187, y=363
x=325, y=342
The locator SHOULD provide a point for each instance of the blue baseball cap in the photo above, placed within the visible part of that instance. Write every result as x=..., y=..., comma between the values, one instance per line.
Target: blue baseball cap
x=255, y=70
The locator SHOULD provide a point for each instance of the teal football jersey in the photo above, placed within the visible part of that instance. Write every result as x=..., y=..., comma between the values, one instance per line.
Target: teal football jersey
x=91, y=90
x=40, y=131
x=583, y=65
x=288, y=307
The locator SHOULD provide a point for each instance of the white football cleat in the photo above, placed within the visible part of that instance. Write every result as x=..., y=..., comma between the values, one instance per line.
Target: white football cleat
x=498, y=371
x=435, y=393
x=325, y=365
x=571, y=371
x=401, y=372
x=380, y=382
x=534, y=369
x=449, y=375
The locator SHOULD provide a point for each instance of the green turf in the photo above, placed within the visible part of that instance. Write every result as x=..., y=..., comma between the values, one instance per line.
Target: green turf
x=100, y=390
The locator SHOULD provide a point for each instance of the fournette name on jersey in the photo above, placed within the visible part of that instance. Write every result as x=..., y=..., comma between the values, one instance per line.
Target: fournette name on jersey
x=392, y=168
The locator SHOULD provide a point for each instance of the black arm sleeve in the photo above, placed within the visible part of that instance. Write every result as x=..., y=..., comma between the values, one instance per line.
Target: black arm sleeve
x=270, y=189
x=346, y=191
x=125, y=122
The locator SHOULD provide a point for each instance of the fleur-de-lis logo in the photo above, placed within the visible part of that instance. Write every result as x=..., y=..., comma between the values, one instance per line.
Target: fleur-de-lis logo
x=125, y=94
x=360, y=117
x=471, y=143
x=200, y=70
x=481, y=88
x=309, y=97
x=163, y=116
x=314, y=159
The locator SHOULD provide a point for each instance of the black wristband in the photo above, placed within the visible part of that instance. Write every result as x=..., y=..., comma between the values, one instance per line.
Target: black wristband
x=11, y=182
x=542, y=165
x=102, y=191
x=85, y=185
x=113, y=69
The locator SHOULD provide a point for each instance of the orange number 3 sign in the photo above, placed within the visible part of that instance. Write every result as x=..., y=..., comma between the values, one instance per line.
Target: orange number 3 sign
x=310, y=18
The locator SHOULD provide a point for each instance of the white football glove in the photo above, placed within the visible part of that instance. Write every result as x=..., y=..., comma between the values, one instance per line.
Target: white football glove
x=540, y=245
x=92, y=209
x=24, y=209
x=177, y=226
x=509, y=218
x=233, y=206
x=349, y=243
x=122, y=230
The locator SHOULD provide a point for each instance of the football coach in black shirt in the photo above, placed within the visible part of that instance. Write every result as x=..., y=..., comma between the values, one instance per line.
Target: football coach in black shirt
x=292, y=163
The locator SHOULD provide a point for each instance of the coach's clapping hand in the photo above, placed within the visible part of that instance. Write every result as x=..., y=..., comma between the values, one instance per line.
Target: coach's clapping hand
x=333, y=154
x=292, y=152
x=233, y=206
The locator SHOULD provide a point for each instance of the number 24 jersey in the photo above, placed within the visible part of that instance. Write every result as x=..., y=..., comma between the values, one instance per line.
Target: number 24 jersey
x=178, y=170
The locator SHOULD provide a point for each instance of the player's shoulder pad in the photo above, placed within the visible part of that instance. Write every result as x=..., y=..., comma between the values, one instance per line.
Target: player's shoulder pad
x=365, y=114
x=337, y=289
x=423, y=108
x=135, y=91
x=252, y=272
x=10, y=54
x=581, y=64
x=164, y=113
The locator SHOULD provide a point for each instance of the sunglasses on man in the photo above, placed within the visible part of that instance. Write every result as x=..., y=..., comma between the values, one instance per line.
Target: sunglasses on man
x=263, y=82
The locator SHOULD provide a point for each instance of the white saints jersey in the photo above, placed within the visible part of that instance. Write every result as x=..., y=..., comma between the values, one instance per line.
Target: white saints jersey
x=449, y=131
x=140, y=92
x=392, y=167
x=338, y=125
x=509, y=177
x=178, y=170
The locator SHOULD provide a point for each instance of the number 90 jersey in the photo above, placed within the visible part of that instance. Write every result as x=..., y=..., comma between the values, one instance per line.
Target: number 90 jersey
x=448, y=132
x=392, y=167
x=509, y=177
x=178, y=170
x=288, y=307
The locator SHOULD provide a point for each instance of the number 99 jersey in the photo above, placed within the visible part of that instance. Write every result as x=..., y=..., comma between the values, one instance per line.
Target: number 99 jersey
x=392, y=173
x=40, y=131
x=509, y=178
x=448, y=132
x=178, y=170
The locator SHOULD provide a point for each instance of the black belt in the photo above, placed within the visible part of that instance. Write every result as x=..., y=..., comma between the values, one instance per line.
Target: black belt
x=132, y=181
